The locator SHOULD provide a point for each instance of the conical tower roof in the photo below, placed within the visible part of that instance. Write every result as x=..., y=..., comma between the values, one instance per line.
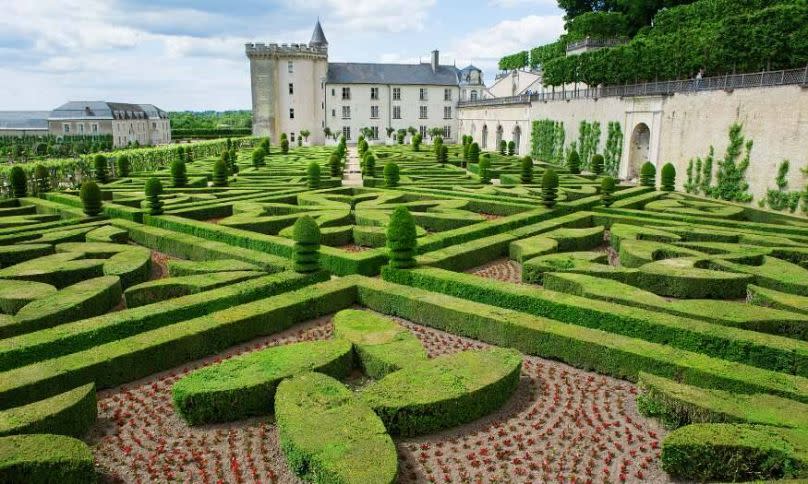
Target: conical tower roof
x=318, y=37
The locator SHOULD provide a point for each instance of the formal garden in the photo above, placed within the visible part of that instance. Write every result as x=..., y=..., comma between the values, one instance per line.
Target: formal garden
x=232, y=311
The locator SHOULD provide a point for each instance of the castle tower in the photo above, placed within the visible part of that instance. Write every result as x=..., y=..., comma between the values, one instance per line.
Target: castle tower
x=288, y=87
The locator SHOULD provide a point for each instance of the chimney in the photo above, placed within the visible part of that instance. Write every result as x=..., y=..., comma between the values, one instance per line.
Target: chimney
x=435, y=60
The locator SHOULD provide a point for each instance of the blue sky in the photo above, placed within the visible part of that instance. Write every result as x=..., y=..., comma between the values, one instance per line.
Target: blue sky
x=189, y=54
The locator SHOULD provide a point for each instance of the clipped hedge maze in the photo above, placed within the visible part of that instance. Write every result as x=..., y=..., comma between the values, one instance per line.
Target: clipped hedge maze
x=130, y=339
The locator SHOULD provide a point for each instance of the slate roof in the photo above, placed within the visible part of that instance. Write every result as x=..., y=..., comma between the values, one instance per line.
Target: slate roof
x=104, y=110
x=318, y=36
x=407, y=74
x=24, y=120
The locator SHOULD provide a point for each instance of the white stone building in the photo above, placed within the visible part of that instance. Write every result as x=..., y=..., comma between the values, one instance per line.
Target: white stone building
x=295, y=88
x=127, y=123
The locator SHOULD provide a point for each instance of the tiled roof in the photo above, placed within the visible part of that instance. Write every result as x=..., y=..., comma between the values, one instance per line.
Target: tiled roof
x=413, y=74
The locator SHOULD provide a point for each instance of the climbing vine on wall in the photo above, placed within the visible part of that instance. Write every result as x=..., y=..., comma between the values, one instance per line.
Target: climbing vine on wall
x=730, y=178
x=588, y=141
x=781, y=198
x=614, y=148
x=547, y=140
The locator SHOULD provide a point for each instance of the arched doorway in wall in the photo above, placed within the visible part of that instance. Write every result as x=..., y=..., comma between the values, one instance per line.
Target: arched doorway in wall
x=484, y=139
x=517, y=138
x=499, y=137
x=639, y=149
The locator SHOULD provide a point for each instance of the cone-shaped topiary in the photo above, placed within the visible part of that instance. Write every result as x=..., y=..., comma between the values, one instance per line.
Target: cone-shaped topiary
x=527, y=170
x=258, y=156
x=178, y=173
x=503, y=147
x=416, y=142
x=90, y=196
x=466, y=149
x=123, y=165
x=511, y=148
x=648, y=175
x=42, y=176
x=264, y=145
x=284, y=146
x=597, y=164
x=232, y=159
x=444, y=154
x=574, y=162
x=153, y=190
x=369, y=168
x=100, y=162
x=549, y=188
x=474, y=153
x=401, y=239
x=335, y=164
x=391, y=175
x=361, y=146
x=313, y=175
x=220, y=173
x=606, y=190
x=485, y=170
x=668, y=177
x=19, y=182
x=306, y=252
x=437, y=142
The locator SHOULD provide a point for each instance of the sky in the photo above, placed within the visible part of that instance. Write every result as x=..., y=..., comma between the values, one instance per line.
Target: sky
x=189, y=54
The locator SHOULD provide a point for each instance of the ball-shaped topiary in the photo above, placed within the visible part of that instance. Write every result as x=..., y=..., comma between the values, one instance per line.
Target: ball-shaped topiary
x=306, y=251
x=391, y=175
x=597, y=164
x=284, y=146
x=100, y=163
x=122, y=162
x=485, y=170
x=90, y=196
x=503, y=147
x=258, y=156
x=402, y=239
x=369, y=168
x=335, y=164
x=474, y=153
x=220, y=173
x=42, y=176
x=574, y=162
x=668, y=177
x=178, y=173
x=153, y=191
x=549, y=188
x=648, y=174
x=313, y=175
x=19, y=182
x=444, y=154
x=527, y=170
x=607, y=185
x=511, y=148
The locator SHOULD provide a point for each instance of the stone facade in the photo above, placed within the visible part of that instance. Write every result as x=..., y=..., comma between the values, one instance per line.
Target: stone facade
x=143, y=124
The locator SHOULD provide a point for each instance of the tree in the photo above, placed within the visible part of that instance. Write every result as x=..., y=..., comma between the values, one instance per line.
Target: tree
x=549, y=188
x=437, y=143
x=362, y=146
x=731, y=181
x=369, y=168
x=178, y=173
x=123, y=165
x=485, y=170
x=284, y=145
x=400, y=136
x=503, y=147
x=153, y=191
x=42, y=177
x=19, y=182
x=416, y=142
x=444, y=154
x=90, y=196
x=306, y=251
x=511, y=148
x=258, y=156
x=220, y=173
x=402, y=239
x=313, y=175
x=474, y=153
x=574, y=162
x=335, y=164
x=668, y=177
x=597, y=164
x=607, y=185
x=648, y=175
x=233, y=158
x=305, y=134
x=527, y=170
x=100, y=163
x=391, y=175
x=390, y=131
x=264, y=145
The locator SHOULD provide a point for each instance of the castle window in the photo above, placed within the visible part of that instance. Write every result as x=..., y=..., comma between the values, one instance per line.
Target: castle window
x=333, y=113
x=346, y=93
x=346, y=131
x=447, y=112
x=95, y=128
x=66, y=128
x=291, y=88
x=396, y=112
x=447, y=94
x=374, y=130
x=422, y=130
x=346, y=112
x=292, y=137
x=422, y=114
x=396, y=94
x=447, y=132
x=81, y=127
x=374, y=93
x=374, y=112
x=422, y=94
x=291, y=67
x=473, y=95
x=292, y=113
x=333, y=91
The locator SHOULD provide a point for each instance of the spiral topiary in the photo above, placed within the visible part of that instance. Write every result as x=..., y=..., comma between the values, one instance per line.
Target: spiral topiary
x=42, y=176
x=220, y=173
x=549, y=188
x=313, y=175
x=90, y=196
x=485, y=170
x=607, y=186
x=391, y=175
x=402, y=239
x=335, y=164
x=574, y=162
x=258, y=156
x=527, y=170
x=511, y=148
x=668, y=177
x=19, y=182
x=123, y=165
x=178, y=173
x=153, y=190
x=369, y=169
x=597, y=164
x=648, y=175
x=306, y=251
x=100, y=162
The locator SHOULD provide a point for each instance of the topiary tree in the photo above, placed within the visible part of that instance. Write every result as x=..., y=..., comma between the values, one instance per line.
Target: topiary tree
x=648, y=175
x=100, y=163
x=400, y=136
x=153, y=191
x=391, y=175
x=574, y=162
x=606, y=190
x=90, y=196
x=549, y=188
x=474, y=153
x=313, y=175
x=284, y=145
x=511, y=148
x=668, y=177
x=123, y=165
x=258, y=156
x=264, y=145
x=444, y=154
x=335, y=164
x=220, y=173
x=178, y=173
x=437, y=143
x=402, y=239
x=527, y=170
x=306, y=251
x=362, y=146
x=42, y=176
x=232, y=158
x=416, y=142
x=597, y=164
x=369, y=169
x=503, y=147
x=19, y=182
x=466, y=149
x=485, y=170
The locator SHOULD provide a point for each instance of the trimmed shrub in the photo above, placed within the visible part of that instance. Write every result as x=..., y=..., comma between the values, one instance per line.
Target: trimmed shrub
x=180, y=267
x=158, y=290
x=597, y=164
x=70, y=413
x=258, y=156
x=444, y=154
x=607, y=187
x=284, y=146
x=527, y=170
x=45, y=458
x=503, y=147
x=369, y=167
x=391, y=175
x=153, y=190
x=19, y=182
x=402, y=239
x=549, y=188
x=313, y=175
x=42, y=177
x=668, y=177
x=306, y=254
x=122, y=163
x=220, y=173
x=574, y=162
x=416, y=142
x=474, y=153
x=511, y=148
x=179, y=174
x=485, y=170
x=90, y=196
x=648, y=175
x=100, y=165
x=14, y=295
x=335, y=165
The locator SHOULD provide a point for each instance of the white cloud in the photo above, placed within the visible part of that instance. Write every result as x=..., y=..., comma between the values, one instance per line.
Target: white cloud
x=373, y=15
x=523, y=3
